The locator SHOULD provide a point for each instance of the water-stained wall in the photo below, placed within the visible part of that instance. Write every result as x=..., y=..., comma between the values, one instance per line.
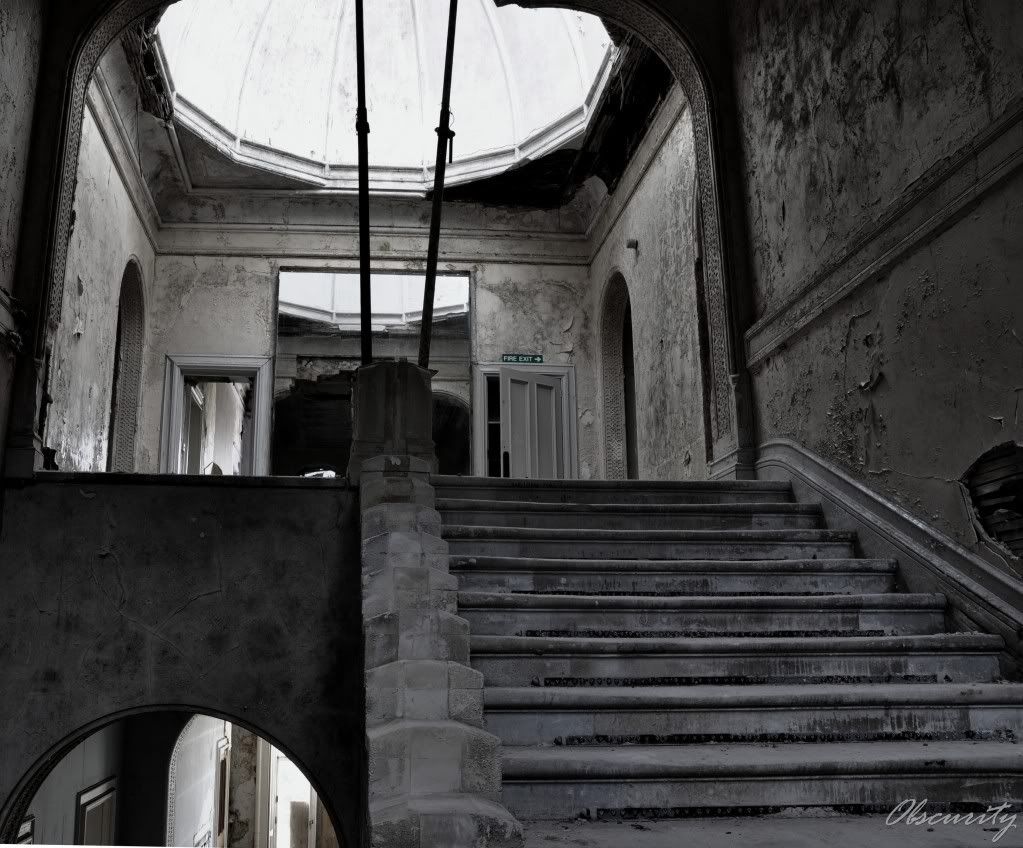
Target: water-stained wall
x=655, y=206
x=20, y=35
x=880, y=139
x=107, y=234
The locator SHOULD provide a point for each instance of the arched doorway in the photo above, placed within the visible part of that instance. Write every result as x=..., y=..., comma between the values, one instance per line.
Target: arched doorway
x=451, y=434
x=686, y=42
x=621, y=451
x=127, y=382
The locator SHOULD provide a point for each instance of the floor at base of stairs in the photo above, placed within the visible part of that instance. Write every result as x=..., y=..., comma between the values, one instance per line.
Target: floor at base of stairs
x=767, y=832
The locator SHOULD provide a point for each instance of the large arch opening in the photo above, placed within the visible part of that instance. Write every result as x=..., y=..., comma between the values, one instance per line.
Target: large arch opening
x=212, y=167
x=173, y=777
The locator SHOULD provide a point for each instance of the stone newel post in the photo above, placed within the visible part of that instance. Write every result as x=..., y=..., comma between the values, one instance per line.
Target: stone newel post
x=434, y=773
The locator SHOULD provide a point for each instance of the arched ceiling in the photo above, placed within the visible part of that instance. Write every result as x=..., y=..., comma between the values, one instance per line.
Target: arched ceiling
x=272, y=84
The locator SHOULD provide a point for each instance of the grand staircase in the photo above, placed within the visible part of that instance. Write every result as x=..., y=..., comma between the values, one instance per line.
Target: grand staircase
x=659, y=650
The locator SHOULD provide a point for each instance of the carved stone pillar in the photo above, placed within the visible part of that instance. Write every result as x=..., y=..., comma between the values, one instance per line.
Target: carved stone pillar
x=434, y=773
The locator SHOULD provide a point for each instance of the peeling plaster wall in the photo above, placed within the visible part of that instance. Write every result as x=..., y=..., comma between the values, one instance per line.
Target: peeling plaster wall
x=107, y=234
x=541, y=310
x=911, y=380
x=20, y=34
x=845, y=105
x=203, y=305
x=661, y=278
x=847, y=111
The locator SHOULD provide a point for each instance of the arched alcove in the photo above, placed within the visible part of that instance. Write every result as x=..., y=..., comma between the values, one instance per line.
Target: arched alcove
x=124, y=404
x=452, y=424
x=618, y=382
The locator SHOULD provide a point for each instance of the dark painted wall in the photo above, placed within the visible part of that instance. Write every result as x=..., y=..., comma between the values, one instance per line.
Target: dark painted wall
x=147, y=744
x=882, y=142
x=226, y=596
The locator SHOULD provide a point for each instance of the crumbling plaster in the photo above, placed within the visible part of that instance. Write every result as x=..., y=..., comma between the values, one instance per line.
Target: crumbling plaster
x=657, y=209
x=20, y=35
x=844, y=106
x=533, y=287
x=915, y=377
x=107, y=234
x=546, y=311
x=203, y=306
x=846, y=110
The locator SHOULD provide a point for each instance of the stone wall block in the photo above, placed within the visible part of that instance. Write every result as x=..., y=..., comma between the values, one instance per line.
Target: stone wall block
x=416, y=635
x=419, y=689
x=434, y=773
x=433, y=757
x=389, y=487
x=392, y=517
x=447, y=820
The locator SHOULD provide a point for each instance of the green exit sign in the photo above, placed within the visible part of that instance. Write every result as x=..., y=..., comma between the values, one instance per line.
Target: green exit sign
x=523, y=358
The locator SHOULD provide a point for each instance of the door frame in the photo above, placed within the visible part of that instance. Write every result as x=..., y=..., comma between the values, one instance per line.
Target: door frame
x=179, y=366
x=566, y=373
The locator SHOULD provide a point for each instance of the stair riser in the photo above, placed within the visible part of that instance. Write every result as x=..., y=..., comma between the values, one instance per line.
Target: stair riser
x=822, y=723
x=626, y=521
x=616, y=495
x=639, y=549
x=556, y=799
x=522, y=622
x=601, y=582
x=519, y=670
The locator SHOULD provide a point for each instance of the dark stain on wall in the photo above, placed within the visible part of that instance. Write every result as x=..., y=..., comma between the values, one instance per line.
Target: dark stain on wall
x=234, y=597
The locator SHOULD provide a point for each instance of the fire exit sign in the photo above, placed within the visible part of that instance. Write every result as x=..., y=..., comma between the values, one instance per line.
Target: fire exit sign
x=523, y=358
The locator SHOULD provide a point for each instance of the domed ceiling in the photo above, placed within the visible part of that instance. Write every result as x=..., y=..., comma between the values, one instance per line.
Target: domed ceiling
x=271, y=83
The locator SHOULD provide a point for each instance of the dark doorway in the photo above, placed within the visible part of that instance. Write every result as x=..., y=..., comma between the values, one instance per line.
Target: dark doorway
x=313, y=427
x=451, y=430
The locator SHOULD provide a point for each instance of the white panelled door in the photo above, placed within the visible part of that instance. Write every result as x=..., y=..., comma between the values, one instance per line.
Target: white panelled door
x=532, y=425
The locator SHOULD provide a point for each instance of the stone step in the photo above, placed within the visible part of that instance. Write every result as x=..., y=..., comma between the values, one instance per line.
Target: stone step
x=668, y=780
x=466, y=540
x=549, y=661
x=676, y=516
x=675, y=577
x=611, y=491
x=665, y=615
x=692, y=714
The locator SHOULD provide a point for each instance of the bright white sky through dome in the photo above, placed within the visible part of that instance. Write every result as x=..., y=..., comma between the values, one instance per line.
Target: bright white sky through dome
x=278, y=77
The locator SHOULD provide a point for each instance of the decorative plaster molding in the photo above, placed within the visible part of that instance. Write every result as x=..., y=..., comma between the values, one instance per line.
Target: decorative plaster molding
x=339, y=243
x=663, y=37
x=930, y=206
x=978, y=590
x=10, y=337
x=118, y=143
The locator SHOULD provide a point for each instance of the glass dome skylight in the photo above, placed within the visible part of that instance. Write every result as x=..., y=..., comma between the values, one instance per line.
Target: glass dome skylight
x=271, y=83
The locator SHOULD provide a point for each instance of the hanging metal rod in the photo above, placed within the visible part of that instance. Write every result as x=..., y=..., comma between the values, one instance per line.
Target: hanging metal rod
x=362, y=127
x=444, y=136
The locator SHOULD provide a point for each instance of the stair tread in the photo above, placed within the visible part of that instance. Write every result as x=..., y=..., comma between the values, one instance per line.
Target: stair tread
x=561, y=645
x=442, y=481
x=497, y=563
x=483, y=531
x=803, y=695
x=749, y=760
x=445, y=504
x=517, y=600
